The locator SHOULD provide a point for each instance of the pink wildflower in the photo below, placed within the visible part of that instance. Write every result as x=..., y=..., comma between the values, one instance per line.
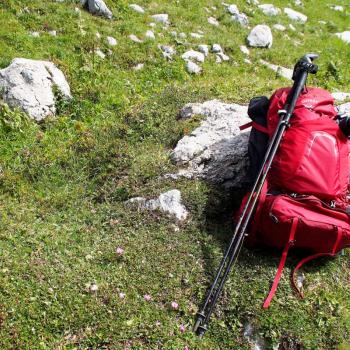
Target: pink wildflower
x=174, y=305
x=119, y=251
x=147, y=297
x=158, y=323
x=182, y=328
x=186, y=347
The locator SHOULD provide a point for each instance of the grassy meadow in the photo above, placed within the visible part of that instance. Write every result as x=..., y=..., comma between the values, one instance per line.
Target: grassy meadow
x=63, y=183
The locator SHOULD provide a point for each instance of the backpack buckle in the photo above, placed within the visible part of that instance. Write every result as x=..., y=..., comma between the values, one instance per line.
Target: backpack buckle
x=332, y=204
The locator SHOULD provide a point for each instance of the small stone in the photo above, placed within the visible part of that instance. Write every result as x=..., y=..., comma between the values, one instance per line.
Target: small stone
x=298, y=3
x=241, y=18
x=100, y=54
x=260, y=36
x=137, y=8
x=167, y=51
x=221, y=57
x=93, y=288
x=233, y=9
x=193, y=68
x=295, y=15
x=135, y=39
x=139, y=66
x=193, y=55
x=98, y=35
x=204, y=49
x=52, y=32
x=345, y=36
x=341, y=96
x=152, y=25
x=173, y=34
x=213, y=21
x=161, y=18
x=291, y=27
x=244, y=49
x=196, y=35
x=183, y=35
x=34, y=34
x=97, y=7
x=269, y=9
x=337, y=8
x=216, y=48
x=111, y=41
x=279, y=27
x=248, y=61
x=283, y=72
x=150, y=35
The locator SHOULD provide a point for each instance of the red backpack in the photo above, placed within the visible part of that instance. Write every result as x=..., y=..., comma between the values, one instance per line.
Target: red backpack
x=304, y=201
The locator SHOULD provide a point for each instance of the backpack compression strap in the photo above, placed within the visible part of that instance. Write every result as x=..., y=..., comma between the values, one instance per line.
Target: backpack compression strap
x=255, y=126
x=282, y=263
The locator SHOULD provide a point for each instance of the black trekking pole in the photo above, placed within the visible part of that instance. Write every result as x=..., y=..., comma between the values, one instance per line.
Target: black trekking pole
x=301, y=70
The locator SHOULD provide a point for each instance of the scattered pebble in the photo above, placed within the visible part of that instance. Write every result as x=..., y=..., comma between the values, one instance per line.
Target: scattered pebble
x=233, y=9
x=183, y=35
x=241, y=18
x=269, y=9
x=34, y=34
x=213, y=21
x=121, y=295
x=150, y=35
x=111, y=41
x=196, y=35
x=161, y=18
x=139, y=66
x=337, y=8
x=193, y=55
x=98, y=35
x=100, y=54
x=244, y=49
x=345, y=36
x=52, y=32
x=167, y=51
x=341, y=96
x=193, y=68
x=93, y=287
x=279, y=27
x=216, y=48
x=137, y=8
x=204, y=49
x=295, y=15
x=220, y=57
x=152, y=25
x=135, y=39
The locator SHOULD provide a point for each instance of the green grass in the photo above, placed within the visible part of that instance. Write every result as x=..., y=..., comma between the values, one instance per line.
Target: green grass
x=63, y=184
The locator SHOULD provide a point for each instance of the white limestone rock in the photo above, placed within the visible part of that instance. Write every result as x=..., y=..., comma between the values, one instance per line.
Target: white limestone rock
x=168, y=202
x=100, y=53
x=139, y=66
x=168, y=51
x=204, y=49
x=97, y=7
x=30, y=84
x=269, y=9
x=193, y=55
x=341, y=96
x=137, y=8
x=182, y=35
x=295, y=15
x=111, y=41
x=220, y=57
x=244, y=50
x=281, y=71
x=337, y=8
x=279, y=27
x=34, y=34
x=241, y=18
x=216, y=150
x=196, y=35
x=345, y=36
x=52, y=32
x=161, y=18
x=260, y=36
x=193, y=68
x=150, y=35
x=213, y=21
x=216, y=48
x=344, y=108
x=135, y=38
x=233, y=9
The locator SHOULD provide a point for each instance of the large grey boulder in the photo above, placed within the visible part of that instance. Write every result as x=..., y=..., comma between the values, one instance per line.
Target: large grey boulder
x=30, y=84
x=216, y=151
x=260, y=36
x=168, y=202
x=97, y=7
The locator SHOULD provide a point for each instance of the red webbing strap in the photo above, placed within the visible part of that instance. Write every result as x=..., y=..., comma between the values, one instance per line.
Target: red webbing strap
x=282, y=263
x=255, y=126
x=312, y=257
